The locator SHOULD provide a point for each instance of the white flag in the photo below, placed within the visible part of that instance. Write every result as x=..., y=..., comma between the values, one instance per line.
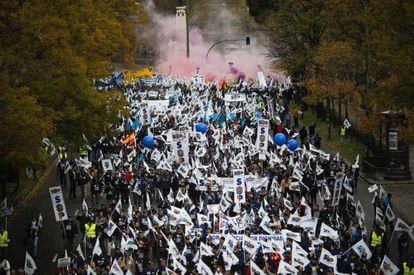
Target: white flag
x=79, y=250
x=40, y=220
x=231, y=259
x=170, y=196
x=401, y=225
x=327, y=231
x=97, y=248
x=230, y=242
x=205, y=250
x=373, y=188
x=130, y=210
x=85, y=206
x=264, y=224
x=362, y=248
x=297, y=249
x=29, y=265
x=249, y=245
x=118, y=206
x=287, y=204
x=285, y=268
x=309, y=225
x=116, y=269
x=287, y=234
x=90, y=271
x=389, y=213
x=203, y=269
x=299, y=256
x=111, y=228
x=179, y=266
x=347, y=185
x=202, y=219
x=388, y=267
x=328, y=259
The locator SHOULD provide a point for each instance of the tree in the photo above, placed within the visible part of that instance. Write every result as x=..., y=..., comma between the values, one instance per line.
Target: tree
x=49, y=53
x=335, y=69
x=294, y=32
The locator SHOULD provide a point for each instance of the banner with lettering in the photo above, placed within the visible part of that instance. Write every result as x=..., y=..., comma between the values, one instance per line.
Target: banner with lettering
x=239, y=186
x=58, y=203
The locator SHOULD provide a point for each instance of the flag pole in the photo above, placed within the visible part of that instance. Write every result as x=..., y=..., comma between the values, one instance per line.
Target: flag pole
x=392, y=236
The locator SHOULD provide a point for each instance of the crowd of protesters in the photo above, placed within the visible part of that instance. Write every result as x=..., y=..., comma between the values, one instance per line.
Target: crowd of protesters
x=126, y=221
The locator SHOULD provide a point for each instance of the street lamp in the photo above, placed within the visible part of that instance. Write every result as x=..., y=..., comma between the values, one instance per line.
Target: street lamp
x=247, y=40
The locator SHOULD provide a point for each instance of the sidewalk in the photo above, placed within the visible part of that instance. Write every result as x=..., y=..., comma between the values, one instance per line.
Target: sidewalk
x=402, y=196
x=401, y=191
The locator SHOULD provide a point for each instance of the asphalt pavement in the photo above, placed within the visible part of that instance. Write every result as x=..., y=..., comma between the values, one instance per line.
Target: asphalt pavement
x=51, y=238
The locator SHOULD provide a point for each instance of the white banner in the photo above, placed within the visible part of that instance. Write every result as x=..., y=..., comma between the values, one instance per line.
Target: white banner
x=58, y=203
x=239, y=186
x=180, y=146
x=160, y=107
x=256, y=238
x=145, y=114
x=262, y=137
x=235, y=97
x=337, y=190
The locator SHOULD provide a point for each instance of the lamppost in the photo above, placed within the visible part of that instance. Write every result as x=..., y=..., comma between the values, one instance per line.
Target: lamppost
x=187, y=28
x=247, y=39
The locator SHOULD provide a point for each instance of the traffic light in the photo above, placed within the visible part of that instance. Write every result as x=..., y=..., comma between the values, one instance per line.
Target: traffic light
x=247, y=40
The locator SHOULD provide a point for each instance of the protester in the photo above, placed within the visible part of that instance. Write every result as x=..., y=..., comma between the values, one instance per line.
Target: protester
x=198, y=185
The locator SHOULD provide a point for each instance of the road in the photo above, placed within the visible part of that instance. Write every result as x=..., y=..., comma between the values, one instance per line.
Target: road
x=51, y=241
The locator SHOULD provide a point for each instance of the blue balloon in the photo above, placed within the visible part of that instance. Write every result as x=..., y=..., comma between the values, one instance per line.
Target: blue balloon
x=148, y=141
x=292, y=144
x=280, y=139
x=201, y=128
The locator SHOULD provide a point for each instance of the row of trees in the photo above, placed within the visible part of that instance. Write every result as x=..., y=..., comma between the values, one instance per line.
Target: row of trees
x=352, y=52
x=49, y=53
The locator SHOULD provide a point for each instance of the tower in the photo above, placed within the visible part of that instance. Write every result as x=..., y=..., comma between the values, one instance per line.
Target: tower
x=180, y=31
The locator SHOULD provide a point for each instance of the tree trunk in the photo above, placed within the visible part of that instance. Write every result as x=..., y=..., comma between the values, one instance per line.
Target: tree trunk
x=3, y=189
x=339, y=111
x=380, y=139
x=328, y=118
x=346, y=109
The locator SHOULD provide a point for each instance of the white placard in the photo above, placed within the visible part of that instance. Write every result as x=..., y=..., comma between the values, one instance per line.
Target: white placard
x=180, y=146
x=262, y=140
x=239, y=186
x=145, y=114
x=107, y=165
x=58, y=203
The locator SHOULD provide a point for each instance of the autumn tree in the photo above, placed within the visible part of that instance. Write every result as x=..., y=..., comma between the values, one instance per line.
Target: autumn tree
x=49, y=53
x=294, y=31
x=334, y=74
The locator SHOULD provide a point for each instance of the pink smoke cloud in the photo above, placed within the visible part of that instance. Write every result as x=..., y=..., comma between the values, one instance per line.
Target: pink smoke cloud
x=172, y=53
